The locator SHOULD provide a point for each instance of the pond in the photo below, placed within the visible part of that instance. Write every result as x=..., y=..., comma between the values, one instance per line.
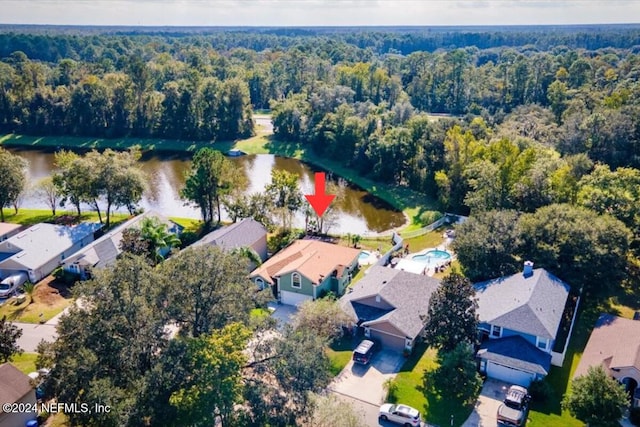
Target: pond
x=358, y=212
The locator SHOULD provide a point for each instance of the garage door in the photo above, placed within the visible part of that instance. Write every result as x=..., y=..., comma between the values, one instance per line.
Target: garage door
x=509, y=375
x=390, y=342
x=293, y=298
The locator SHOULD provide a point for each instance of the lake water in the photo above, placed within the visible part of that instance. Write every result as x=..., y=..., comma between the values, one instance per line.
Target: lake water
x=359, y=211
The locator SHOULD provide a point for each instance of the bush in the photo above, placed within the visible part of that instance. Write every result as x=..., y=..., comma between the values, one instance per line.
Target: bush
x=634, y=416
x=429, y=217
x=392, y=389
x=282, y=239
x=540, y=391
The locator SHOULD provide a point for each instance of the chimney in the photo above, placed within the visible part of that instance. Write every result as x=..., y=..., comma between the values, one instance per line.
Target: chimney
x=528, y=269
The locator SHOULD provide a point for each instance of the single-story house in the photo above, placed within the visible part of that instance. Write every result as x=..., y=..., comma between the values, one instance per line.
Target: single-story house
x=391, y=306
x=41, y=248
x=7, y=230
x=306, y=270
x=104, y=250
x=614, y=344
x=246, y=233
x=519, y=319
x=15, y=387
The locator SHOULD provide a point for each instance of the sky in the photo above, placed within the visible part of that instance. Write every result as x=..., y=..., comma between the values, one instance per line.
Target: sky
x=317, y=12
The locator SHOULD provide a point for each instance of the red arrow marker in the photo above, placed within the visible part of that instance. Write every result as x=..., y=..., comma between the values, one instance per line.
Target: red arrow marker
x=320, y=201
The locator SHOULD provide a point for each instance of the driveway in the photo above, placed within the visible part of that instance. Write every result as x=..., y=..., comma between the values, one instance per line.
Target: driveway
x=281, y=312
x=366, y=383
x=491, y=396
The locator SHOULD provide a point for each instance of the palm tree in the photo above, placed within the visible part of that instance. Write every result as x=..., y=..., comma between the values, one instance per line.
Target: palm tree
x=28, y=289
x=248, y=253
x=158, y=237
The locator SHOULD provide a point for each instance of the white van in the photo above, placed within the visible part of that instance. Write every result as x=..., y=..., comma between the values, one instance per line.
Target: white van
x=10, y=285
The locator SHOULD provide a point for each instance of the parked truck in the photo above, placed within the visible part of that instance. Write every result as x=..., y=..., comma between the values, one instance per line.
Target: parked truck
x=513, y=411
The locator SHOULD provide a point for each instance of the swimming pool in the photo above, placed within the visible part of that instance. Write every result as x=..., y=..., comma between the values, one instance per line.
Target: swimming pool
x=433, y=258
x=364, y=255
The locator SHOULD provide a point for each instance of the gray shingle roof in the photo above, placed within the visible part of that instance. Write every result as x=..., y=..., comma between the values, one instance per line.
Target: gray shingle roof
x=41, y=243
x=408, y=294
x=516, y=352
x=103, y=251
x=239, y=234
x=531, y=305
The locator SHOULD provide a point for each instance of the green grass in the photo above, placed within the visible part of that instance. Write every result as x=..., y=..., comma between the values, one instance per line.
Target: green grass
x=408, y=388
x=431, y=239
x=550, y=413
x=189, y=224
x=26, y=362
x=30, y=217
x=259, y=313
x=30, y=313
x=339, y=354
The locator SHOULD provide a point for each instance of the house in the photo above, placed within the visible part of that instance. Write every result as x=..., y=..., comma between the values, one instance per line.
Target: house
x=246, y=233
x=390, y=305
x=15, y=387
x=7, y=230
x=104, y=251
x=614, y=344
x=40, y=249
x=306, y=270
x=519, y=319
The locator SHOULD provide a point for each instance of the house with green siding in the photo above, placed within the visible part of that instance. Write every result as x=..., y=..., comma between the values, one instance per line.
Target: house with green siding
x=307, y=270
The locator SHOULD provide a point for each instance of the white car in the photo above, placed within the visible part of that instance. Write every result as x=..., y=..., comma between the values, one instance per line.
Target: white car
x=400, y=414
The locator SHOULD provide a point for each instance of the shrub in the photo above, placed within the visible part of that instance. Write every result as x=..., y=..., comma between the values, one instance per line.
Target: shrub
x=429, y=217
x=392, y=389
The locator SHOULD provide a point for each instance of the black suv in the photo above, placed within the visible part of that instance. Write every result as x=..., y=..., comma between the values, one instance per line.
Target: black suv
x=365, y=351
x=513, y=412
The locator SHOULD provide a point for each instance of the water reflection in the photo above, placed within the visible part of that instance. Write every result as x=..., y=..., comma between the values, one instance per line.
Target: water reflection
x=359, y=211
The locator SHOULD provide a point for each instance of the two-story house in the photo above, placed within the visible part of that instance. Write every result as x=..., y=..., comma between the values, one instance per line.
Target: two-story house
x=306, y=270
x=519, y=319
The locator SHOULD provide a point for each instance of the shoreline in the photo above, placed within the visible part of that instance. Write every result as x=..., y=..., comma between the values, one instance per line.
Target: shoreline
x=411, y=203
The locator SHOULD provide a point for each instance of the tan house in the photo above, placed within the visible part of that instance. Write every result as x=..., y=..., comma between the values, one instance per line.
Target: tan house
x=306, y=270
x=614, y=344
x=15, y=388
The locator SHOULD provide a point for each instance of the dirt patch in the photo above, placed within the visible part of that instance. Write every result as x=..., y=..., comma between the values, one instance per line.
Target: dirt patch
x=50, y=291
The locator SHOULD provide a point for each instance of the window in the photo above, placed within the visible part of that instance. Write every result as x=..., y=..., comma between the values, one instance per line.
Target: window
x=296, y=281
x=543, y=343
x=496, y=331
x=260, y=283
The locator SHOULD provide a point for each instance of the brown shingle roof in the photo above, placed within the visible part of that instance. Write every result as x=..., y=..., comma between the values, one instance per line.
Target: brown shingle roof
x=311, y=258
x=13, y=384
x=614, y=343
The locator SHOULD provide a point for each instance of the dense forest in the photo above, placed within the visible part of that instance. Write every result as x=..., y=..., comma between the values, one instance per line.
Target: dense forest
x=536, y=108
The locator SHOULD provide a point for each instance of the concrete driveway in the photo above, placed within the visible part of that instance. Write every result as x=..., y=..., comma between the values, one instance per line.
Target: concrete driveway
x=281, y=312
x=491, y=396
x=366, y=383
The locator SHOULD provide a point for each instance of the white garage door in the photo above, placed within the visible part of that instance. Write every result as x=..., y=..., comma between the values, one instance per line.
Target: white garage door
x=509, y=375
x=293, y=298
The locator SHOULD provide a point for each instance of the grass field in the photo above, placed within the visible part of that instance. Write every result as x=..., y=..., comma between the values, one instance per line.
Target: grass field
x=408, y=388
x=26, y=362
x=339, y=354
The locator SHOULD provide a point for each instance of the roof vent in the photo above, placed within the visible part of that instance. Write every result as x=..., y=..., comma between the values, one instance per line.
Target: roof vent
x=528, y=269
x=377, y=298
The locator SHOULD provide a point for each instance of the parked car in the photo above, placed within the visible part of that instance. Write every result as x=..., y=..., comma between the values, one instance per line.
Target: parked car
x=513, y=412
x=11, y=284
x=364, y=352
x=400, y=414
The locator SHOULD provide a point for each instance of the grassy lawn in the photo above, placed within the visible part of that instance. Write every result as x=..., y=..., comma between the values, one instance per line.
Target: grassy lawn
x=408, y=388
x=26, y=362
x=550, y=413
x=49, y=299
x=339, y=354
x=431, y=239
x=29, y=217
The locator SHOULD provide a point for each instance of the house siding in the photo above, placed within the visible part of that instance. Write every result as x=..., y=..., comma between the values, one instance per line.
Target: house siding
x=306, y=287
x=506, y=332
x=260, y=246
x=19, y=418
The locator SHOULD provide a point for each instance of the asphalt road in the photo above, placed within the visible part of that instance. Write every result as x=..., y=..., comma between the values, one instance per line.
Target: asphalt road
x=33, y=333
